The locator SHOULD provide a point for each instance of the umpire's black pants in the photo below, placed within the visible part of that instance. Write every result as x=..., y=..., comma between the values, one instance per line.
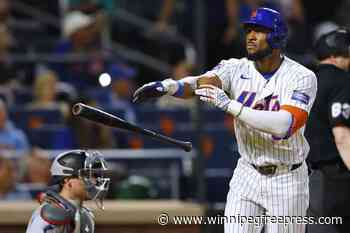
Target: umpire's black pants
x=330, y=196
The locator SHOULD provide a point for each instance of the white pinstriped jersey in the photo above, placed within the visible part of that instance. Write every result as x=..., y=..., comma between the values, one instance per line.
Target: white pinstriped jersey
x=292, y=84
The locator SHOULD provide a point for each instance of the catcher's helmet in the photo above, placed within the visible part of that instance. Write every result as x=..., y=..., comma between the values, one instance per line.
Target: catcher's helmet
x=90, y=166
x=334, y=43
x=270, y=19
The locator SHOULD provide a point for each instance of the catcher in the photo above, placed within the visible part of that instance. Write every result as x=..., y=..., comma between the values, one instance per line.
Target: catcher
x=77, y=175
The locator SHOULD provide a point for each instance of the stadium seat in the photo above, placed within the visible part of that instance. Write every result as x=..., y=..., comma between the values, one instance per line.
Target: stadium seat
x=219, y=148
x=220, y=151
x=213, y=115
x=98, y=94
x=216, y=118
x=22, y=97
x=32, y=119
x=153, y=116
x=51, y=137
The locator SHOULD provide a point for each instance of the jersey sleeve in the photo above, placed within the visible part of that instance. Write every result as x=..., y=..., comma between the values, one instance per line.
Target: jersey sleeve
x=339, y=108
x=224, y=71
x=301, y=92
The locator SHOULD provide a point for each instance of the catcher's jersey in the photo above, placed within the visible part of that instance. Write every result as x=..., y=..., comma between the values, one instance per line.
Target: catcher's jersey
x=292, y=84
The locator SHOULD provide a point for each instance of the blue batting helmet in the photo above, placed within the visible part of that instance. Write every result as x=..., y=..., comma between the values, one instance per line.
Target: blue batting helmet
x=270, y=19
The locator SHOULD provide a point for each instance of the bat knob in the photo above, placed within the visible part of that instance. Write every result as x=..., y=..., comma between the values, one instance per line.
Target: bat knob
x=187, y=146
x=77, y=108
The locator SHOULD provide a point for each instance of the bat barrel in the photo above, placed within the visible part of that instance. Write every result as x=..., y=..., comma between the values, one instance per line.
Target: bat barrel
x=186, y=146
x=99, y=116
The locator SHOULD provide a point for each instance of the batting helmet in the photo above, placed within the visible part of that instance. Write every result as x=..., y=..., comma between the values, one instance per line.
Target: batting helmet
x=270, y=19
x=334, y=43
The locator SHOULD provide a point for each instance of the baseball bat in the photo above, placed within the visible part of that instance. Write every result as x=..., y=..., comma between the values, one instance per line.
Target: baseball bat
x=100, y=116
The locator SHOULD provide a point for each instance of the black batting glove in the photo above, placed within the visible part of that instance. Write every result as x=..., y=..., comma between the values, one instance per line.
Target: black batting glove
x=149, y=91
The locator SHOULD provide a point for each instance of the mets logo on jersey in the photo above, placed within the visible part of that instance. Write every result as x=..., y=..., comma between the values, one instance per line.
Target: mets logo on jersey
x=268, y=103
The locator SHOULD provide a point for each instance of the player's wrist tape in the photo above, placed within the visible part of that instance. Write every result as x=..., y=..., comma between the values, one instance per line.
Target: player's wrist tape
x=172, y=87
x=181, y=90
x=235, y=108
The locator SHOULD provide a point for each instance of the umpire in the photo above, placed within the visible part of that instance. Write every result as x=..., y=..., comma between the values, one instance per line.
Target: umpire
x=328, y=132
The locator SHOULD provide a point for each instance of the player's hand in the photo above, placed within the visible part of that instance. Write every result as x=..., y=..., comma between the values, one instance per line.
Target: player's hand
x=156, y=89
x=148, y=91
x=213, y=95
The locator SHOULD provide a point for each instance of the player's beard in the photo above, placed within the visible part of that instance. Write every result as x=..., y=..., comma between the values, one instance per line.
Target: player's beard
x=260, y=54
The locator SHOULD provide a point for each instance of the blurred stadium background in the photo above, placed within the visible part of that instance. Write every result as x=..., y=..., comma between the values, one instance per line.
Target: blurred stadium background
x=58, y=52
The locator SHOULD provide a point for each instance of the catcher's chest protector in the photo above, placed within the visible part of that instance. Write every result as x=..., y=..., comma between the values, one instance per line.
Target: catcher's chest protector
x=65, y=216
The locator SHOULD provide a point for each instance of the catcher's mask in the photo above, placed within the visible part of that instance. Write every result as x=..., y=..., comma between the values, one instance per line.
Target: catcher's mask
x=90, y=166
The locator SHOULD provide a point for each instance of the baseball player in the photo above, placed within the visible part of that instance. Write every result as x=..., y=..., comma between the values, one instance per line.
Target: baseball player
x=270, y=96
x=77, y=176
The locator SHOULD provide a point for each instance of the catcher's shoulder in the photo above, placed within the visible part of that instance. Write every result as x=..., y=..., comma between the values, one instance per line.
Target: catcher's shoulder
x=54, y=214
x=37, y=223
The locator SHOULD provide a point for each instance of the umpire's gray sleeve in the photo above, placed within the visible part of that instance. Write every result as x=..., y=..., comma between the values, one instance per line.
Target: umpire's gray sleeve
x=38, y=225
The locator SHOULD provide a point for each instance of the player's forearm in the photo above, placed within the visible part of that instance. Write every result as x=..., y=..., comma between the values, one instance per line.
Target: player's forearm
x=184, y=88
x=190, y=84
x=277, y=123
x=188, y=92
x=342, y=141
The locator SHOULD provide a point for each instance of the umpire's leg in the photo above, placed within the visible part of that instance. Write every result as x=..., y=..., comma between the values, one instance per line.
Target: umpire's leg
x=329, y=196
